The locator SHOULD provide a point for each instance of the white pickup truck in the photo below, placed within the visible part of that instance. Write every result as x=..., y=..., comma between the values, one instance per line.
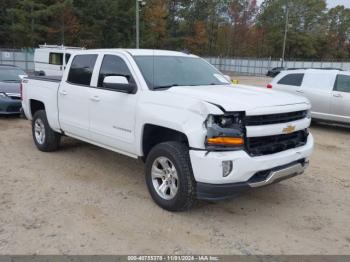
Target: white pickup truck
x=200, y=136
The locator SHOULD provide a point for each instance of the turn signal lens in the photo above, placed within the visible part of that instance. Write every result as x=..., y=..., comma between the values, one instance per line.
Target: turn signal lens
x=225, y=141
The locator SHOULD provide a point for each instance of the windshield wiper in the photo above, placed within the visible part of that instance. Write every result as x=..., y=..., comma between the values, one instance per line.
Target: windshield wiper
x=164, y=86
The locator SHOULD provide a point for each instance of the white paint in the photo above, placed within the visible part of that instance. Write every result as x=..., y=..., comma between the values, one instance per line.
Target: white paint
x=116, y=120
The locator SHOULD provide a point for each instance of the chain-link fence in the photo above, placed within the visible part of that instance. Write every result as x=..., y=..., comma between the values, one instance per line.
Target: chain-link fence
x=23, y=58
x=259, y=67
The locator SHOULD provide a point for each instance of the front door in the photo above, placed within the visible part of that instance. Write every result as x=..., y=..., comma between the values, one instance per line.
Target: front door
x=112, y=113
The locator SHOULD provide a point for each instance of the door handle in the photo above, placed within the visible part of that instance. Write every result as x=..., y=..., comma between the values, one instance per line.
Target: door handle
x=95, y=98
x=63, y=92
x=300, y=91
x=337, y=95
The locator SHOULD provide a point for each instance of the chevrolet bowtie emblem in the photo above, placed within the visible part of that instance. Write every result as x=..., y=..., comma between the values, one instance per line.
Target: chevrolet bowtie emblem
x=289, y=129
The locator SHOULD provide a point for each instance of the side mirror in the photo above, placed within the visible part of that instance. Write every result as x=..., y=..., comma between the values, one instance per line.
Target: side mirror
x=119, y=83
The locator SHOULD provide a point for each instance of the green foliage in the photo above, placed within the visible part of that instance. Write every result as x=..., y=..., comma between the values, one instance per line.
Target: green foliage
x=216, y=27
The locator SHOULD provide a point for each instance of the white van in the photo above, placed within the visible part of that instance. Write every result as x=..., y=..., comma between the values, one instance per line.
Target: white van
x=51, y=60
x=327, y=90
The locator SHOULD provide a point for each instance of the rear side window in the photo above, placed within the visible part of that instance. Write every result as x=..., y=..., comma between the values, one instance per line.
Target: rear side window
x=292, y=80
x=81, y=69
x=56, y=59
x=342, y=84
x=113, y=66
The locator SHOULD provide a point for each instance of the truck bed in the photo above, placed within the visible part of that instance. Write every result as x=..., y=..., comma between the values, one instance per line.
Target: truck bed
x=45, y=90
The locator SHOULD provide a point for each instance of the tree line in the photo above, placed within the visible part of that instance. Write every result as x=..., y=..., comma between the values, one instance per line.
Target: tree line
x=238, y=28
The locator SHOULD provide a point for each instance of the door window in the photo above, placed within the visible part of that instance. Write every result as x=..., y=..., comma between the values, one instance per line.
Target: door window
x=342, y=84
x=113, y=66
x=56, y=59
x=81, y=69
x=292, y=80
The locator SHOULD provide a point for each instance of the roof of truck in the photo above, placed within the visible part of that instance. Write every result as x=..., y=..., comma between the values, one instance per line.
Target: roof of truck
x=143, y=52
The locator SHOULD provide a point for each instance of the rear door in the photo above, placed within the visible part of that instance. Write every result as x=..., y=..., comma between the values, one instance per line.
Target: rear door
x=73, y=96
x=112, y=113
x=340, y=105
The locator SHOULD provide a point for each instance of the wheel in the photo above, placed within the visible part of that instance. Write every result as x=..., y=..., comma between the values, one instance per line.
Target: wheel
x=169, y=176
x=44, y=137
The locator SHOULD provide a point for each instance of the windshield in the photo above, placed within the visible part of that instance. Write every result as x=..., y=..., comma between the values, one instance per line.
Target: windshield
x=11, y=74
x=168, y=71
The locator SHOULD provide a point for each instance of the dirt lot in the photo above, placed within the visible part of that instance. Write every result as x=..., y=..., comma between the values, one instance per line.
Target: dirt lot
x=86, y=200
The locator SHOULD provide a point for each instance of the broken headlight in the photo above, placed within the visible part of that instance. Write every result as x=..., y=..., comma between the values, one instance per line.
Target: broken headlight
x=225, y=132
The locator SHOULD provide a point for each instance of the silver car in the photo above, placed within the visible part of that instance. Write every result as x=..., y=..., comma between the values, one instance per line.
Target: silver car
x=327, y=90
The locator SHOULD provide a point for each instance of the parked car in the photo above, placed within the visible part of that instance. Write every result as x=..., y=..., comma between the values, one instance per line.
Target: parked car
x=327, y=90
x=275, y=71
x=200, y=137
x=52, y=59
x=10, y=89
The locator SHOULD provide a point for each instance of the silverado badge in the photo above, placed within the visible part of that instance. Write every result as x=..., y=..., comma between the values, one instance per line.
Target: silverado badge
x=289, y=129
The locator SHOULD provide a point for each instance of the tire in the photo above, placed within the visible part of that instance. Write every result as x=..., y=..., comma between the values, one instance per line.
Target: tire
x=178, y=156
x=50, y=140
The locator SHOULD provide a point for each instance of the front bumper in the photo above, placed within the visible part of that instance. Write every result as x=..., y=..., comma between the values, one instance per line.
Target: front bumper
x=10, y=106
x=207, y=166
x=223, y=191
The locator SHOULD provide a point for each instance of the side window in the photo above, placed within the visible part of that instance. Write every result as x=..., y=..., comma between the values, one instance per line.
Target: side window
x=56, y=59
x=81, y=69
x=113, y=66
x=342, y=84
x=292, y=80
x=67, y=56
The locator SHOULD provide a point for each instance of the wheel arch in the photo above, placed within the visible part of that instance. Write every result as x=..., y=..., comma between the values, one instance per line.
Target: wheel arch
x=155, y=134
x=35, y=106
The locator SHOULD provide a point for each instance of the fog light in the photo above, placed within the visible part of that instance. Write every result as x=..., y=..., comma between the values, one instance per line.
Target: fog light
x=226, y=168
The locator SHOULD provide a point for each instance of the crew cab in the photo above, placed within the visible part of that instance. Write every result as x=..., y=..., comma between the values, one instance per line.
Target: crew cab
x=200, y=136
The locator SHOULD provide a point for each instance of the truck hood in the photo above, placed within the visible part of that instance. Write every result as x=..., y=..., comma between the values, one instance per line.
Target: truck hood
x=10, y=87
x=239, y=97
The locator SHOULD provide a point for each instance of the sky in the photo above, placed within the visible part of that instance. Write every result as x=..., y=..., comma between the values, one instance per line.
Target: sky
x=331, y=3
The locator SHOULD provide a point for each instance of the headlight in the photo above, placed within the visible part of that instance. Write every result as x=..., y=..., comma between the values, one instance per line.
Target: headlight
x=225, y=132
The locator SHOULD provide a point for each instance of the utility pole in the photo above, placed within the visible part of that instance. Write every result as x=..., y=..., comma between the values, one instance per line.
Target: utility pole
x=32, y=24
x=137, y=24
x=63, y=29
x=138, y=3
x=285, y=34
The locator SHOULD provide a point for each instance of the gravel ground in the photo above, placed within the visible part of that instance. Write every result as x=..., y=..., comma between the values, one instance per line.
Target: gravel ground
x=87, y=200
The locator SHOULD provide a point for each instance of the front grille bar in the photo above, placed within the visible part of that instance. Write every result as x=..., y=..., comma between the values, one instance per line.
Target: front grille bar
x=275, y=118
